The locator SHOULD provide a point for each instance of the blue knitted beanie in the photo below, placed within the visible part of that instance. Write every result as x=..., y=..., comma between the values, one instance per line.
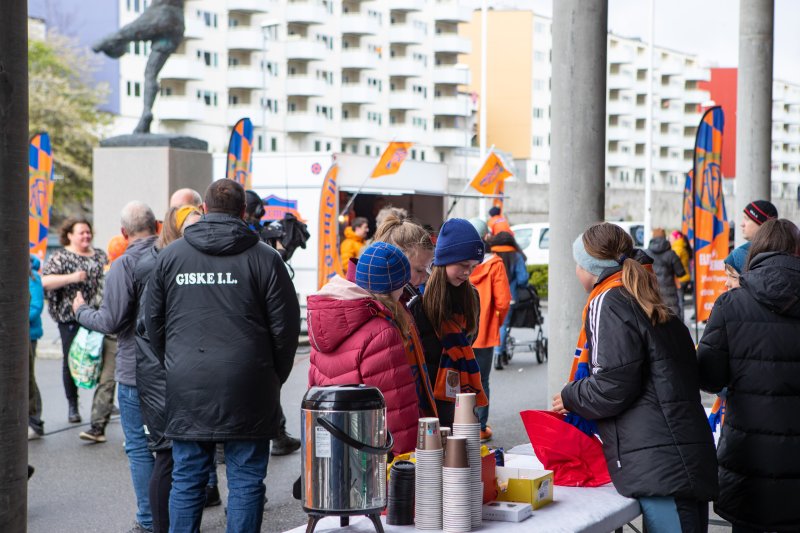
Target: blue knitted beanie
x=382, y=268
x=458, y=241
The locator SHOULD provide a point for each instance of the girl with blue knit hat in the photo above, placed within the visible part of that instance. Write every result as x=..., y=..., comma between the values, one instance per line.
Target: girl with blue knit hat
x=358, y=333
x=447, y=317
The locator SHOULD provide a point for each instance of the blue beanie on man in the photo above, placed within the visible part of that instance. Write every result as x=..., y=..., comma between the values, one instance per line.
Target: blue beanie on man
x=458, y=241
x=382, y=268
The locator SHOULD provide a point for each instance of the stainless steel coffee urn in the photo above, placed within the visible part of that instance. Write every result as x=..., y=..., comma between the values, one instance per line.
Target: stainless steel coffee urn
x=345, y=443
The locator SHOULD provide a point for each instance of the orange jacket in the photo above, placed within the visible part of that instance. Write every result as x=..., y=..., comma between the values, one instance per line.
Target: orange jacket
x=492, y=283
x=499, y=223
x=350, y=247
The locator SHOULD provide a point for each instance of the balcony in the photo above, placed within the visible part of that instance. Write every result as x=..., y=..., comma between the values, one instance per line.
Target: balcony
x=251, y=111
x=306, y=13
x=178, y=108
x=620, y=54
x=358, y=128
x=305, y=122
x=406, y=34
x=670, y=67
x=458, y=106
x=696, y=96
x=451, y=11
x=406, y=100
x=619, y=133
x=193, y=29
x=405, y=67
x=247, y=6
x=406, y=5
x=359, y=59
x=620, y=107
x=452, y=44
x=450, y=137
x=620, y=81
x=359, y=24
x=248, y=39
x=179, y=67
x=673, y=91
x=359, y=93
x=618, y=159
x=305, y=50
x=305, y=86
x=453, y=75
x=245, y=78
x=697, y=74
x=403, y=133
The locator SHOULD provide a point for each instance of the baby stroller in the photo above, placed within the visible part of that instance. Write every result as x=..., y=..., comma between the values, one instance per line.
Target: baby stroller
x=526, y=312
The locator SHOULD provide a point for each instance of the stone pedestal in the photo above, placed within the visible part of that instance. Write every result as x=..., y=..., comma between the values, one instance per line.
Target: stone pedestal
x=149, y=173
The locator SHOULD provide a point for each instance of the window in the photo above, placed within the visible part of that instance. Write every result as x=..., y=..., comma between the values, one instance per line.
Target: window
x=260, y=143
x=317, y=146
x=538, y=112
x=368, y=150
x=273, y=144
x=327, y=147
x=538, y=85
x=422, y=155
x=538, y=141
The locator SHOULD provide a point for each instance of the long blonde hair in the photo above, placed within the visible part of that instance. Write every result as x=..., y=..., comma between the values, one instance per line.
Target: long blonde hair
x=170, y=230
x=440, y=298
x=609, y=241
x=398, y=311
x=404, y=233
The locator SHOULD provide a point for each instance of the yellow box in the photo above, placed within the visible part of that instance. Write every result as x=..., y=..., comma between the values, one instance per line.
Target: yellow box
x=525, y=485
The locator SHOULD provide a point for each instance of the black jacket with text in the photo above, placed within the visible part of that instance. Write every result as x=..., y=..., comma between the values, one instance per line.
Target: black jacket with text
x=644, y=395
x=752, y=346
x=224, y=318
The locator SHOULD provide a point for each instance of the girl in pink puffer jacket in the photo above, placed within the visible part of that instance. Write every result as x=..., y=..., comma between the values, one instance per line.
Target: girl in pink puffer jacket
x=355, y=335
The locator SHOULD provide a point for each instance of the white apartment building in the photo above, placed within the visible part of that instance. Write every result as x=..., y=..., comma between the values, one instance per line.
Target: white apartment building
x=312, y=75
x=786, y=140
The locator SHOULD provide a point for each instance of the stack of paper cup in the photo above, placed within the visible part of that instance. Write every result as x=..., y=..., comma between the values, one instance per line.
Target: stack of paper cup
x=428, y=480
x=457, y=491
x=466, y=424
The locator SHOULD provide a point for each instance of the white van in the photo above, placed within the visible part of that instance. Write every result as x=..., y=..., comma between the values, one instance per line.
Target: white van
x=534, y=239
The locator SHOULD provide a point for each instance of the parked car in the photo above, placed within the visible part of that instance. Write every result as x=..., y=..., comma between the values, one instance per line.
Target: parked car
x=534, y=239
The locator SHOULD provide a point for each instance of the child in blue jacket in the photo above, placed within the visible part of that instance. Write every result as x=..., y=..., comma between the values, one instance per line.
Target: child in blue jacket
x=35, y=424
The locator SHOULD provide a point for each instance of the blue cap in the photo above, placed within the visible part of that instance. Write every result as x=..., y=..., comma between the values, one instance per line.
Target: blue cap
x=458, y=241
x=382, y=268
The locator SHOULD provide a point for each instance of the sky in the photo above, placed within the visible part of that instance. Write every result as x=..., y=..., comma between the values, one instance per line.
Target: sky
x=686, y=26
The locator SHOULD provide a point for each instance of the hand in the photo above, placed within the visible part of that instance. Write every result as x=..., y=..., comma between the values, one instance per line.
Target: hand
x=558, y=405
x=77, y=302
x=80, y=276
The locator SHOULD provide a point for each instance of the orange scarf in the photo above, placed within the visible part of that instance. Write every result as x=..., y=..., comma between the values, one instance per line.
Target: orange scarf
x=458, y=369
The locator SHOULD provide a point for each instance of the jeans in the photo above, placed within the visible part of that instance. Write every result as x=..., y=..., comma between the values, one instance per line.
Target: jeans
x=140, y=459
x=246, y=463
x=667, y=514
x=484, y=357
x=503, y=335
x=34, y=398
x=68, y=330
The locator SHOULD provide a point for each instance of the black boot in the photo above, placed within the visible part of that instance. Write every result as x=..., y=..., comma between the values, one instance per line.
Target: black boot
x=284, y=444
x=74, y=416
x=498, y=362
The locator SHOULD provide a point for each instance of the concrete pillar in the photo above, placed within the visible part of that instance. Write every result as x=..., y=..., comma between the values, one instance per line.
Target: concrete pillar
x=577, y=178
x=754, y=105
x=14, y=265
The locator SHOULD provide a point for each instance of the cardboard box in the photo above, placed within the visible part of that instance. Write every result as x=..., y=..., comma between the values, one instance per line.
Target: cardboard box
x=525, y=485
x=506, y=511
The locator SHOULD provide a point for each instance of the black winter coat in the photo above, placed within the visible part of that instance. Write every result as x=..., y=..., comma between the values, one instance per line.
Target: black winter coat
x=151, y=377
x=224, y=318
x=644, y=395
x=667, y=266
x=752, y=346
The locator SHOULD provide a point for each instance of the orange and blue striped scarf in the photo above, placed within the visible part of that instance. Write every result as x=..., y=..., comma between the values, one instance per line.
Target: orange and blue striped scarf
x=458, y=369
x=581, y=361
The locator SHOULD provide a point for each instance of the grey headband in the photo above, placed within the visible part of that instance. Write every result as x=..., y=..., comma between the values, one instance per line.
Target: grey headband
x=587, y=262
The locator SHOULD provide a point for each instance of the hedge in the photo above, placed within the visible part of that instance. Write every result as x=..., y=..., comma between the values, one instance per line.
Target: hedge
x=538, y=278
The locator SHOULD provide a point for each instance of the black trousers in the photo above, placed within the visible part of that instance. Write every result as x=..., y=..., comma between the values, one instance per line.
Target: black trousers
x=68, y=330
x=160, y=485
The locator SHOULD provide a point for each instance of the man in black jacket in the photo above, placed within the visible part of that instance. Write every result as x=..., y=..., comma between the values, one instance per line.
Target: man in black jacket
x=224, y=318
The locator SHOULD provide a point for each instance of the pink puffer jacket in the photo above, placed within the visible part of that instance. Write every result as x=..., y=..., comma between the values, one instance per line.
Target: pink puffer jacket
x=351, y=344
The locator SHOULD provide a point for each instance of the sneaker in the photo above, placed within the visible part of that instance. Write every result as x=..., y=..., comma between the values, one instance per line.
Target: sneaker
x=73, y=415
x=285, y=444
x=498, y=362
x=139, y=528
x=31, y=470
x=486, y=434
x=94, y=434
x=33, y=434
x=212, y=496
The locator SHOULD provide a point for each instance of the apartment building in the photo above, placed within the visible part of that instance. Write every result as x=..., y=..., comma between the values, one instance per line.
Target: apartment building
x=312, y=75
x=519, y=95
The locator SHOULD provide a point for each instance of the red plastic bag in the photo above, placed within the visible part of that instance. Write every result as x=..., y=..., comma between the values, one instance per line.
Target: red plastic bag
x=575, y=458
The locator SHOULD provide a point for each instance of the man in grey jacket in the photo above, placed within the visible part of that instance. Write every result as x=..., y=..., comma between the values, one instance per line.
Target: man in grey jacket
x=117, y=315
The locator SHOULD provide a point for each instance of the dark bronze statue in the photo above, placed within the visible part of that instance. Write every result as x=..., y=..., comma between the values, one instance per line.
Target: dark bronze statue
x=162, y=25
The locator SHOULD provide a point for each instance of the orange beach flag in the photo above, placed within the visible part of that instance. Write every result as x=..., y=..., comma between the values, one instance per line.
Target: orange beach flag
x=492, y=171
x=391, y=159
x=40, y=193
x=328, y=263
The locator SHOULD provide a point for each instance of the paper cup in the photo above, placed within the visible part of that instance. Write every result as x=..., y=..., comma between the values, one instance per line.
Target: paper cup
x=465, y=408
x=455, y=454
x=428, y=436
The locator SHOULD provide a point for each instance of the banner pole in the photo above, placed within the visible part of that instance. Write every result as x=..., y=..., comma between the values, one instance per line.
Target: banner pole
x=466, y=187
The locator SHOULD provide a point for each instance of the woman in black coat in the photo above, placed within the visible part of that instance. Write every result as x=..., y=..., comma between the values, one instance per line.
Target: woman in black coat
x=752, y=346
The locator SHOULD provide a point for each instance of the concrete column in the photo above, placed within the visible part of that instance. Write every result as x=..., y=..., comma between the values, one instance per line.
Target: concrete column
x=14, y=264
x=754, y=105
x=577, y=177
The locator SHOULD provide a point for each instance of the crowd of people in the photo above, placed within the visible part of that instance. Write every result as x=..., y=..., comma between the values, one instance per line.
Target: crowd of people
x=202, y=323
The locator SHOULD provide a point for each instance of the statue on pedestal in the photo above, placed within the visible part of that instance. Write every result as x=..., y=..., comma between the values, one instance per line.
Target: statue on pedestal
x=161, y=24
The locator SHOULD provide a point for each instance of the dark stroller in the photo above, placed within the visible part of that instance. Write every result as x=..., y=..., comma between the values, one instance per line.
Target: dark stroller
x=526, y=312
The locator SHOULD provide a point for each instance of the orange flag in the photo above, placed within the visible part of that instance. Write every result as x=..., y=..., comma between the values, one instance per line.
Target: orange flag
x=391, y=159
x=492, y=171
x=329, y=264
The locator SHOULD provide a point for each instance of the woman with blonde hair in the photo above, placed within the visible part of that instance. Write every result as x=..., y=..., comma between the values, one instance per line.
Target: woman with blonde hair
x=636, y=380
